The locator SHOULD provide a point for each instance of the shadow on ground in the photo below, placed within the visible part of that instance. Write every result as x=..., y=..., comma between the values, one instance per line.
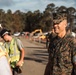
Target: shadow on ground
x=40, y=56
x=37, y=47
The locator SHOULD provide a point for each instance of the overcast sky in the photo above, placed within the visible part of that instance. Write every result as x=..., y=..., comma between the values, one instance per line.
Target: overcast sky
x=32, y=5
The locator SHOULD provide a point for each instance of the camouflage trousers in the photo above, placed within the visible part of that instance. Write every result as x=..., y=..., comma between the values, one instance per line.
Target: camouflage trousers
x=58, y=71
x=62, y=71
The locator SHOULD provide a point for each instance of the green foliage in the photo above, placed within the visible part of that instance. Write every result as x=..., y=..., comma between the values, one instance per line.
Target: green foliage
x=21, y=21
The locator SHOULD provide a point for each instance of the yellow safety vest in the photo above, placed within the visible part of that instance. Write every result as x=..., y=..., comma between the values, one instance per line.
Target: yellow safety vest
x=13, y=52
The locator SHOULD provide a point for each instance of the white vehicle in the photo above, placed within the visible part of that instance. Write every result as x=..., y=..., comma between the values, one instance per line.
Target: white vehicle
x=17, y=34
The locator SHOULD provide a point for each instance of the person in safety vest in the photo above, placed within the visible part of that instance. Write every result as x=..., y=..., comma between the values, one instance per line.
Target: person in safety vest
x=4, y=64
x=15, y=50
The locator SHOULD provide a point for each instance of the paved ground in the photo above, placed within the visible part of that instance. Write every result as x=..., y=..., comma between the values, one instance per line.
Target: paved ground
x=36, y=57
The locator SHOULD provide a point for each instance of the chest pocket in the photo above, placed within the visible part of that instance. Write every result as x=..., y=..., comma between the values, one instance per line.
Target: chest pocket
x=65, y=52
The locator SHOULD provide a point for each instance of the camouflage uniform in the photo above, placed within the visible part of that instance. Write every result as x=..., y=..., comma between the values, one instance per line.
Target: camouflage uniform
x=61, y=53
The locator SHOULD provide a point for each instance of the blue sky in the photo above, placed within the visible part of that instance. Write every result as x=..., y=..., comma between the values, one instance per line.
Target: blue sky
x=32, y=5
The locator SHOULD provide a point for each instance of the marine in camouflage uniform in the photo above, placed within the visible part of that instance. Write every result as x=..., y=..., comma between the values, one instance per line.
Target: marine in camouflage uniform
x=62, y=56
x=61, y=53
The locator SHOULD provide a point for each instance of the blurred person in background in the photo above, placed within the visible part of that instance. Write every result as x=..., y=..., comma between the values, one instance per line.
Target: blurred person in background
x=5, y=68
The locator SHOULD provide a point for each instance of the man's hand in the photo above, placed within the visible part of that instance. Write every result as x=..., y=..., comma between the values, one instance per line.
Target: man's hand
x=20, y=63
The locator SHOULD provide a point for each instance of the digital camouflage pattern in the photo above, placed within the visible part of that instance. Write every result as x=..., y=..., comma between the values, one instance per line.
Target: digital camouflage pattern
x=58, y=17
x=61, y=53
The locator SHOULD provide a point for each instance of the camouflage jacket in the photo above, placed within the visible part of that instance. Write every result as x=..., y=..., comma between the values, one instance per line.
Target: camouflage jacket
x=61, y=53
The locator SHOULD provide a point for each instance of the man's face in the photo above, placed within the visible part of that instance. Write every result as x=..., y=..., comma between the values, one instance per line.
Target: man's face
x=60, y=27
x=5, y=37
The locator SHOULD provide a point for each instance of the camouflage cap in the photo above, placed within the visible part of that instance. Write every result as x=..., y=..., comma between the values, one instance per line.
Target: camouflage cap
x=58, y=17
